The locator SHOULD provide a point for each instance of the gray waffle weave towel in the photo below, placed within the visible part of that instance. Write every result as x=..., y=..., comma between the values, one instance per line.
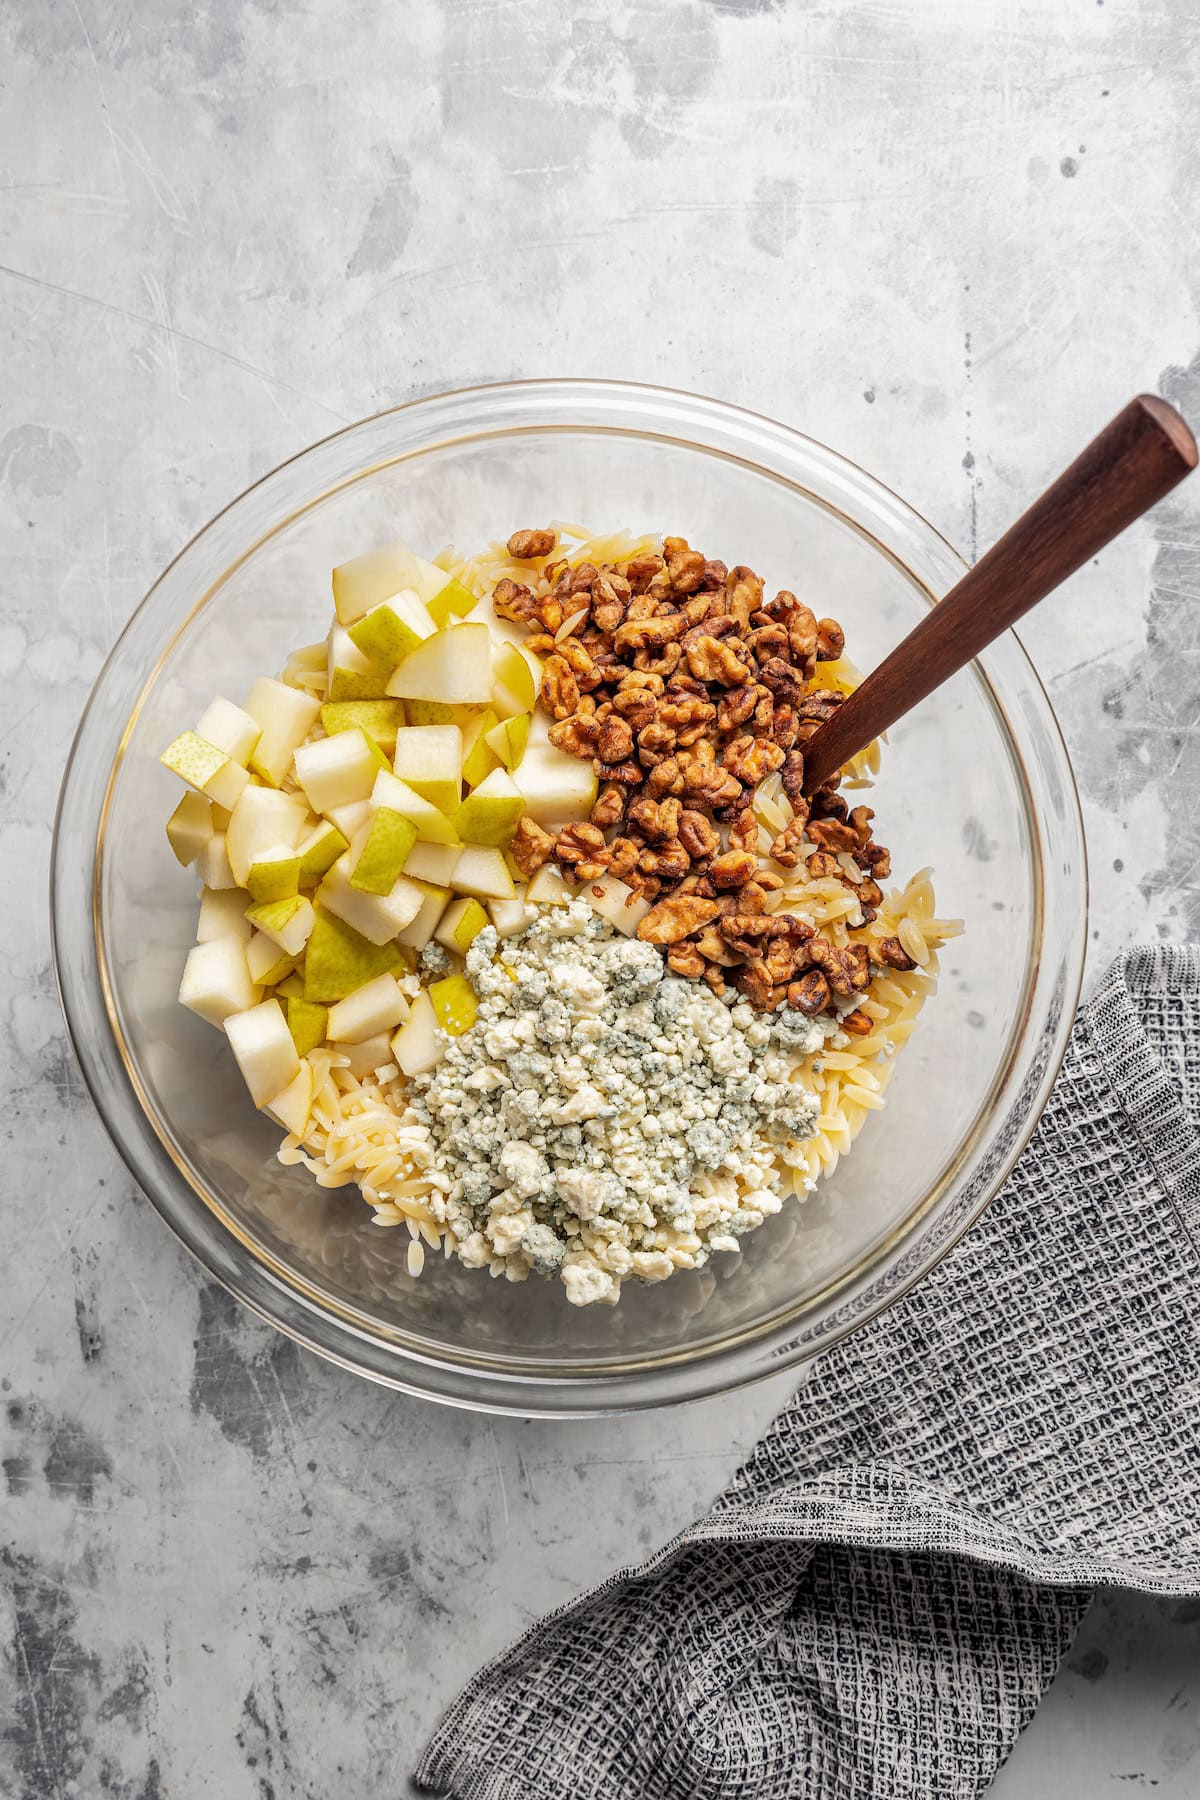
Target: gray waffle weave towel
x=876, y=1604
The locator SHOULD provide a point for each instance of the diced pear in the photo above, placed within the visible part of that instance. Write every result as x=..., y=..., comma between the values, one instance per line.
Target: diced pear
x=292, y=986
x=429, y=759
x=336, y=771
x=339, y=959
x=479, y=758
x=490, y=814
x=433, y=900
x=451, y=601
x=213, y=864
x=216, y=980
x=377, y=917
x=617, y=903
x=508, y=740
x=286, y=716
x=501, y=631
x=380, y=719
x=380, y=851
x=461, y=922
x=209, y=770
x=418, y=1046
x=433, y=827
x=514, y=683
x=266, y=961
x=350, y=675
x=482, y=872
x=262, y=818
x=189, y=828
x=378, y=1006
x=292, y=1107
x=547, y=888
x=310, y=658
x=431, y=712
x=319, y=851
x=557, y=788
x=433, y=862
x=274, y=874
x=376, y=575
x=288, y=922
x=511, y=916
x=223, y=914
x=390, y=633
x=454, y=1005
x=230, y=729
x=348, y=821
x=262, y=1044
x=306, y=1021
x=453, y=666
x=373, y=1053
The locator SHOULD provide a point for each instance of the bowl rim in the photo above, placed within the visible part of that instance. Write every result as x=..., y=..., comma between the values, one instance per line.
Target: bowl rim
x=593, y=1389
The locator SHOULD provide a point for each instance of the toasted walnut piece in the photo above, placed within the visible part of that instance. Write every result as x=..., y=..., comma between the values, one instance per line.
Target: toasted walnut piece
x=579, y=661
x=810, y=994
x=878, y=860
x=637, y=680
x=704, y=785
x=526, y=544
x=697, y=608
x=735, y=706
x=716, y=660
x=715, y=573
x=615, y=742
x=629, y=774
x=648, y=886
x=636, y=705
x=666, y=777
x=669, y=861
x=560, y=690
x=682, y=711
x=748, y=933
x=857, y=1023
x=676, y=918
x=685, y=566
x=555, y=571
x=655, y=819
x=655, y=744
x=831, y=640
x=784, y=726
x=787, y=849
x=648, y=634
x=513, y=602
x=581, y=578
x=861, y=818
x=685, y=959
x=801, y=628
x=753, y=980
x=640, y=569
x=665, y=663
x=714, y=978
x=609, y=808
x=743, y=831
x=732, y=870
x=768, y=641
x=743, y=595
x=714, y=624
x=642, y=606
x=847, y=971
x=768, y=881
x=827, y=804
x=792, y=775
x=891, y=952
x=819, y=705
x=549, y=612
x=752, y=759
x=712, y=946
x=578, y=843
x=784, y=956
x=698, y=836
x=576, y=736
x=541, y=643
x=824, y=865
x=778, y=675
x=832, y=835
x=531, y=846
x=623, y=856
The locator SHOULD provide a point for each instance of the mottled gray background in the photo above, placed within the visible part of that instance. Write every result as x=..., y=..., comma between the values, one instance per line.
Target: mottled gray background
x=949, y=238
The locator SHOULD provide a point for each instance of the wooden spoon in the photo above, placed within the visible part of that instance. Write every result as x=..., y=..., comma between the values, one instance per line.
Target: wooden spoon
x=1137, y=458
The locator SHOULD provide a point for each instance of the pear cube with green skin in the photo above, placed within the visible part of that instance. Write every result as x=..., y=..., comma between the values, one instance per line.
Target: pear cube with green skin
x=453, y=666
x=454, y=1004
x=547, y=888
x=414, y=937
x=380, y=851
x=292, y=985
x=380, y=719
x=490, y=814
x=433, y=862
x=288, y=922
x=432, y=712
x=306, y=1022
x=262, y=1044
x=349, y=820
x=377, y=917
x=514, y=681
x=557, y=789
x=419, y=1046
x=460, y=925
x=274, y=874
x=262, y=818
x=617, y=903
x=429, y=759
x=285, y=717
x=511, y=916
x=319, y=851
x=479, y=759
x=292, y=1108
x=337, y=771
x=209, y=770
x=390, y=633
x=376, y=575
x=482, y=872
x=213, y=865
x=433, y=827
x=230, y=729
x=339, y=959
x=189, y=828
x=508, y=740
x=267, y=963
x=451, y=601
x=216, y=980
x=223, y=914
x=350, y=675
x=377, y=1006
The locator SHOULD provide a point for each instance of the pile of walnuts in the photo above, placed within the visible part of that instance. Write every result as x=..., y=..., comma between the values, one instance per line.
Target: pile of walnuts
x=685, y=690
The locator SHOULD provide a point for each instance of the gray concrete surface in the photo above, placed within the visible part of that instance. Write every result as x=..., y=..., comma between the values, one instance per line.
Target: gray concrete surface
x=948, y=239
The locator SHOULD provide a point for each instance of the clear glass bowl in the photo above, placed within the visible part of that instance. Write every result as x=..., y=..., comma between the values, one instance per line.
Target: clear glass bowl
x=976, y=782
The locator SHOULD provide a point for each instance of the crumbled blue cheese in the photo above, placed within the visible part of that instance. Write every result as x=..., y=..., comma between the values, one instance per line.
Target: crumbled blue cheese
x=603, y=1119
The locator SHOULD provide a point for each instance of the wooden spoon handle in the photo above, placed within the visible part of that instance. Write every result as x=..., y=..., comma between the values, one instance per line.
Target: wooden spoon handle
x=1135, y=460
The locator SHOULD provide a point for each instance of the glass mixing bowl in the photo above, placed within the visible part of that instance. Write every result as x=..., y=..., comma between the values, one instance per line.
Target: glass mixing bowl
x=976, y=783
